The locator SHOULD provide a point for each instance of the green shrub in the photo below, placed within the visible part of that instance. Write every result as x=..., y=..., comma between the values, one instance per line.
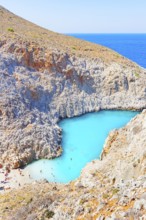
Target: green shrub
x=105, y=196
x=136, y=74
x=10, y=29
x=115, y=190
x=48, y=214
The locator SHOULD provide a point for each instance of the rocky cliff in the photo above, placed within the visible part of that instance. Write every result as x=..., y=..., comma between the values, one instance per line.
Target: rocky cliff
x=44, y=77
x=111, y=188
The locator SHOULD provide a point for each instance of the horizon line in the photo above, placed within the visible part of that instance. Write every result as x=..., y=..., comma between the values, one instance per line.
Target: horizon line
x=101, y=33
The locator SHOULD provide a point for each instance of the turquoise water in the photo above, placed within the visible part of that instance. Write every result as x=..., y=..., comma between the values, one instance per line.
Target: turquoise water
x=83, y=140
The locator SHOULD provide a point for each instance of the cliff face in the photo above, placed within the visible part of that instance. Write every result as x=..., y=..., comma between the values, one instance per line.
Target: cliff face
x=111, y=188
x=44, y=77
x=32, y=102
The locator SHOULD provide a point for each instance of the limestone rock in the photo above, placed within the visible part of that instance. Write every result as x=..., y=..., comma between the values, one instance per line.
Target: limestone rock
x=45, y=77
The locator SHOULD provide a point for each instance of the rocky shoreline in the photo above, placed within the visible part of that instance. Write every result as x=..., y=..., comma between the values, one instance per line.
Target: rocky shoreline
x=45, y=77
x=33, y=102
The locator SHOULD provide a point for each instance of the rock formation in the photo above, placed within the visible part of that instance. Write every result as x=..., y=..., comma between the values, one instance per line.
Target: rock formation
x=44, y=77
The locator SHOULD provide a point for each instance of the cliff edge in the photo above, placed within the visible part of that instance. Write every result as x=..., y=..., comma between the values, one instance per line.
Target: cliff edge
x=45, y=77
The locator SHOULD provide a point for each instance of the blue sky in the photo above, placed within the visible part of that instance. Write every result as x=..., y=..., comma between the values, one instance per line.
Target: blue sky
x=83, y=16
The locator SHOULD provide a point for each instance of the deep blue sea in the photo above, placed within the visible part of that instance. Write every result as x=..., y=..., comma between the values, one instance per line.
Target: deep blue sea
x=132, y=46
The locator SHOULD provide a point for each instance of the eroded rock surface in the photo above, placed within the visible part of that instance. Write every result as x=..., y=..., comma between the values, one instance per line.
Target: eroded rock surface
x=42, y=79
x=32, y=102
x=111, y=188
x=45, y=77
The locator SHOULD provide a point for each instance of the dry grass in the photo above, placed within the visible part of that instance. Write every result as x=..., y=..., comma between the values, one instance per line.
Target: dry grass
x=24, y=31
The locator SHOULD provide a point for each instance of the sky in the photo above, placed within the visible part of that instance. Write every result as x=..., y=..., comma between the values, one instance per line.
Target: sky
x=83, y=16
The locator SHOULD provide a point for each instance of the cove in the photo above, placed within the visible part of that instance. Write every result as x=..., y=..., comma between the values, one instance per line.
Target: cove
x=82, y=141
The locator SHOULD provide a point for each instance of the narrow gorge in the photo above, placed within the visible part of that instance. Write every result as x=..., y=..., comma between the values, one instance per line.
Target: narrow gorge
x=46, y=77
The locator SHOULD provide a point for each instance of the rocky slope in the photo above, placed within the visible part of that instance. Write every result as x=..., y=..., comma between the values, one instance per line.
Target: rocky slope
x=42, y=80
x=111, y=188
x=44, y=77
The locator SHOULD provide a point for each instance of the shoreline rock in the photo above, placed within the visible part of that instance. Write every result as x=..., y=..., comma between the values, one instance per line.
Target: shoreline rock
x=45, y=77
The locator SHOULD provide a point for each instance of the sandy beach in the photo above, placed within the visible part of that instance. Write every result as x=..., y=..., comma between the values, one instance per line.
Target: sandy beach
x=13, y=179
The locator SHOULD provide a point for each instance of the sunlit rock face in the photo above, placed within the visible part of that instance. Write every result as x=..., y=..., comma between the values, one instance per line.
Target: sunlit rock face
x=117, y=183
x=124, y=153
x=45, y=77
x=33, y=102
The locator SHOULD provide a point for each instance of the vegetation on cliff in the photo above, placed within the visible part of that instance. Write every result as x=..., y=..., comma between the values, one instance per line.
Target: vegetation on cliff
x=45, y=76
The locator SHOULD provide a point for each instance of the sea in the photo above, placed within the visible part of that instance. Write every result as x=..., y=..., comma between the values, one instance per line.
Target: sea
x=132, y=46
x=82, y=141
